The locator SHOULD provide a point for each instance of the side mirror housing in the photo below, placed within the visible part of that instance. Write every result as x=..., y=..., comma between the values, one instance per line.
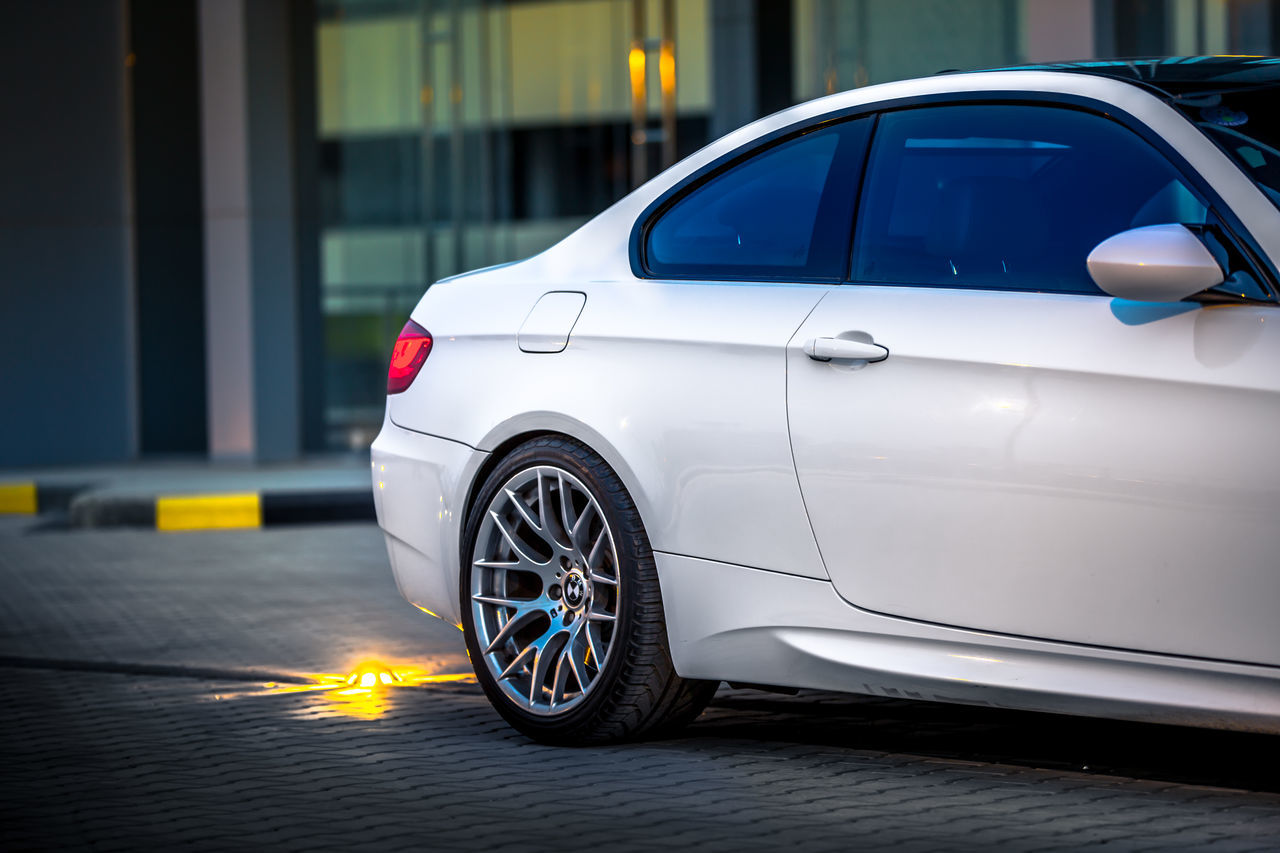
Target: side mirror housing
x=1155, y=263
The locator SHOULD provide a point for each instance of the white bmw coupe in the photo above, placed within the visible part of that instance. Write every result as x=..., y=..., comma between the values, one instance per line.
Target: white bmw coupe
x=958, y=388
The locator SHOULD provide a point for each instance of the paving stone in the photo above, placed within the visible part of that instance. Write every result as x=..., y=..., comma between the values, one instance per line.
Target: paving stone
x=131, y=757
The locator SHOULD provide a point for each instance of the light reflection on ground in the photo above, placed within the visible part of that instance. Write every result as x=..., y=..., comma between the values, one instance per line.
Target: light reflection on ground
x=362, y=692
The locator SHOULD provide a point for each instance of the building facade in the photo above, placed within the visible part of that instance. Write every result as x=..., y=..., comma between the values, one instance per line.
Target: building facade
x=218, y=213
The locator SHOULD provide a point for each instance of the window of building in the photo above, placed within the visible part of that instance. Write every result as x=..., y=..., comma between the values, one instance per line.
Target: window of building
x=1007, y=197
x=784, y=213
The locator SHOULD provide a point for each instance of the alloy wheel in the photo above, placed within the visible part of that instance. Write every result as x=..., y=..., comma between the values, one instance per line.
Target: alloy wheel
x=545, y=590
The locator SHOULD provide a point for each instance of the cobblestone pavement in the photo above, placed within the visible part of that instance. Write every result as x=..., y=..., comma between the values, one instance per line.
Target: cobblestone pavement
x=135, y=714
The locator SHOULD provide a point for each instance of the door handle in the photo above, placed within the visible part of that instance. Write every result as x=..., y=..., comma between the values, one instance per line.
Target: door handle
x=826, y=349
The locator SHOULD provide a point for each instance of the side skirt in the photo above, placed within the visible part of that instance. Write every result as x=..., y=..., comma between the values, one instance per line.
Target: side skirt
x=732, y=623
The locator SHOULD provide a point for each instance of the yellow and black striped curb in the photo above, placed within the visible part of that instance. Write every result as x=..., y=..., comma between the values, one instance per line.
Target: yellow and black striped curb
x=223, y=510
x=26, y=497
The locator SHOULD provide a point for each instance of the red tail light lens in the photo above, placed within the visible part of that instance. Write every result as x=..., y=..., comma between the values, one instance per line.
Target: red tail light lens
x=412, y=348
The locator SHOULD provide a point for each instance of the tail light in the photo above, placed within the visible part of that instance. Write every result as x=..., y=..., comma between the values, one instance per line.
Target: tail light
x=412, y=348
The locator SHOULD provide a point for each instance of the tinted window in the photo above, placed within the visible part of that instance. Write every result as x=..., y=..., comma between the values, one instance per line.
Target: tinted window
x=1008, y=197
x=785, y=212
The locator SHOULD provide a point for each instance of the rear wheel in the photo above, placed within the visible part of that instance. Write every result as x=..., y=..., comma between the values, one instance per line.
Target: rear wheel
x=560, y=603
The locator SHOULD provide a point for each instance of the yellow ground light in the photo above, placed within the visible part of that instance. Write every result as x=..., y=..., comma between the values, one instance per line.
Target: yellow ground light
x=19, y=498
x=206, y=512
x=363, y=693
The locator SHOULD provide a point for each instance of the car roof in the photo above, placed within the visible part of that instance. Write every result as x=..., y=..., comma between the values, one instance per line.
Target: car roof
x=1174, y=75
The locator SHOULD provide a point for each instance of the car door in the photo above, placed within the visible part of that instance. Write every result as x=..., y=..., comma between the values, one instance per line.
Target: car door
x=985, y=440
x=728, y=265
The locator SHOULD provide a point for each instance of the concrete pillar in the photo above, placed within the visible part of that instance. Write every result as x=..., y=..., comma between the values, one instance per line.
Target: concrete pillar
x=169, y=226
x=1059, y=30
x=750, y=61
x=67, y=348
x=733, y=65
x=251, y=304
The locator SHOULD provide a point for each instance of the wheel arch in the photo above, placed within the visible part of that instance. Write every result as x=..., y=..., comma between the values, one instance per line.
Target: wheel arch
x=492, y=460
x=505, y=437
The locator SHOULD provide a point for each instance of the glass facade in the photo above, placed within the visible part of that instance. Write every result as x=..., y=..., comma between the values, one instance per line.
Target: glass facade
x=290, y=175
x=454, y=134
x=843, y=44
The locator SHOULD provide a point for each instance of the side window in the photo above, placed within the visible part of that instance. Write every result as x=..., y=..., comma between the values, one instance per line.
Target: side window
x=1007, y=197
x=784, y=213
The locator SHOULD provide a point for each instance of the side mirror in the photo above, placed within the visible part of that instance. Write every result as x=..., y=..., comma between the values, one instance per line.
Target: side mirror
x=1156, y=263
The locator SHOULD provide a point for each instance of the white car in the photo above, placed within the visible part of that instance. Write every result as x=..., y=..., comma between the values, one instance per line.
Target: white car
x=959, y=388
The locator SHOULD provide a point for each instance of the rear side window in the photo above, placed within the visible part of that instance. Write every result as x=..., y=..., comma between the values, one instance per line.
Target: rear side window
x=782, y=213
x=1007, y=197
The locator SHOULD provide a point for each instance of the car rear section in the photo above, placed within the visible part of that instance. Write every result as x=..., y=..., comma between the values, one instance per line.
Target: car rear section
x=680, y=389
x=416, y=478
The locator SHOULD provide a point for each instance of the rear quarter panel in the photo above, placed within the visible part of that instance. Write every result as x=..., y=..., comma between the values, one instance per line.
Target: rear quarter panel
x=680, y=387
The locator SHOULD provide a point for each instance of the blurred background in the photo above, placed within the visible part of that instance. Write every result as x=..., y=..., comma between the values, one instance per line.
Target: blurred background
x=216, y=214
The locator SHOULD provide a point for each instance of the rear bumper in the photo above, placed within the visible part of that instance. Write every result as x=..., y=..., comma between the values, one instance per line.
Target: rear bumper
x=419, y=488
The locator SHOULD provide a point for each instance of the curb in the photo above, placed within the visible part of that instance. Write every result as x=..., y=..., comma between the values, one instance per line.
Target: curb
x=171, y=512
x=30, y=498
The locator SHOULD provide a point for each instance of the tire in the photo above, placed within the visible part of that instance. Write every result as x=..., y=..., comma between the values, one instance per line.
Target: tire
x=560, y=603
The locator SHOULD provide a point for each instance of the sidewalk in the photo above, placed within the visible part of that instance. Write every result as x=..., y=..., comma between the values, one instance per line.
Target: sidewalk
x=195, y=494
